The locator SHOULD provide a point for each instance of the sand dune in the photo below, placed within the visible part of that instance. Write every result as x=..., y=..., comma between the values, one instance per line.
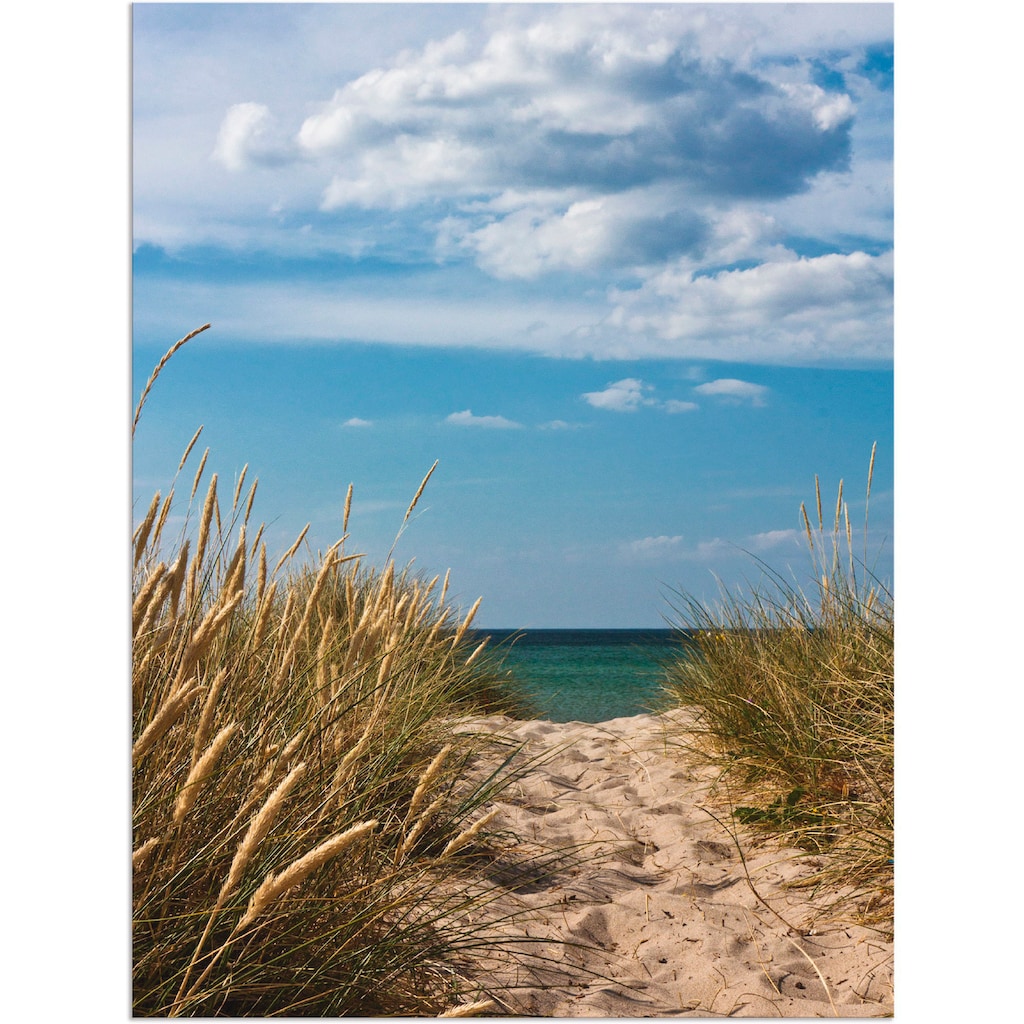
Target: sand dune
x=653, y=914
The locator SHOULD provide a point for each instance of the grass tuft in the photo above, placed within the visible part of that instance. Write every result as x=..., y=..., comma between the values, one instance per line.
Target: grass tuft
x=302, y=821
x=794, y=692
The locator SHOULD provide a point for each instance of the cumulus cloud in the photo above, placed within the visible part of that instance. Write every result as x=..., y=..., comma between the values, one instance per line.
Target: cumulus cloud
x=574, y=137
x=355, y=421
x=667, y=166
x=630, y=394
x=467, y=419
x=736, y=390
x=249, y=136
x=576, y=97
x=625, y=395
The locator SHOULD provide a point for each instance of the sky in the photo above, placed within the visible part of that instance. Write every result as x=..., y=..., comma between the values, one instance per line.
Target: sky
x=625, y=272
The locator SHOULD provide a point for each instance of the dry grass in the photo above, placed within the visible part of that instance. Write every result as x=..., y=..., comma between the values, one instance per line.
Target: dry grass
x=300, y=812
x=796, y=707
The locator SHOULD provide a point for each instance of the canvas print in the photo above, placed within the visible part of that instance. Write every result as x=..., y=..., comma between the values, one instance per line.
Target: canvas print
x=512, y=510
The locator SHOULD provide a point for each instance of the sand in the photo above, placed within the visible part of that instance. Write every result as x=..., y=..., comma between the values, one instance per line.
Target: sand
x=654, y=914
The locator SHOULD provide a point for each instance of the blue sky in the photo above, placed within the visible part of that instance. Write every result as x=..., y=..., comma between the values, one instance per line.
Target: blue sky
x=626, y=272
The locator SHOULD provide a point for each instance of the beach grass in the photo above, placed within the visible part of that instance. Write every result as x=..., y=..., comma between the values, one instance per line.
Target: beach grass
x=794, y=690
x=303, y=828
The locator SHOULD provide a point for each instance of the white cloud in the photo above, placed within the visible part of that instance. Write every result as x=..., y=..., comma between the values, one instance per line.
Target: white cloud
x=774, y=539
x=630, y=394
x=831, y=306
x=625, y=395
x=737, y=390
x=674, y=405
x=467, y=419
x=633, y=151
x=655, y=548
x=590, y=102
x=249, y=136
x=355, y=421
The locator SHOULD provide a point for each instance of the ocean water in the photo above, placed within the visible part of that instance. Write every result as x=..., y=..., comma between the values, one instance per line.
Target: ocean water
x=588, y=675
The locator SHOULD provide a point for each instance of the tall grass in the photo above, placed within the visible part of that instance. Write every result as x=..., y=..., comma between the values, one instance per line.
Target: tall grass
x=794, y=691
x=300, y=812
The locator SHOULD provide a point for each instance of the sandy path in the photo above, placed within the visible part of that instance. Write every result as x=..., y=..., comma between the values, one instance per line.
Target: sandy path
x=654, y=916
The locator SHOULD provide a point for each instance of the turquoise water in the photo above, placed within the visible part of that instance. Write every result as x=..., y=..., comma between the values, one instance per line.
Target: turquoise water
x=588, y=675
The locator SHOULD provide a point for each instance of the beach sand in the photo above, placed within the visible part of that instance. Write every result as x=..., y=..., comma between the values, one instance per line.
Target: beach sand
x=652, y=914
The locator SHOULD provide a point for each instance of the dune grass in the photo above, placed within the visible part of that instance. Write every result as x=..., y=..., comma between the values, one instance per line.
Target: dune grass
x=794, y=688
x=302, y=824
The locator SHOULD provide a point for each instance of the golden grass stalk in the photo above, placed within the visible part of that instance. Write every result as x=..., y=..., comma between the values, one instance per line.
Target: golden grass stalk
x=323, y=682
x=348, y=509
x=276, y=886
x=261, y=784
x=468, y=835
x=145, y=596
x=261, y=573
x=170, y=711
x=234, y=575
x=205, y=725
x=204, y=522
x=261, y=823
x=409, y=841
x=291, y=551
x=461, y=631
x=141, y=855
x=204, y=637
x=199, y=474
x=188, y=449
x=266, y=607
x=469, y=1009
x=177, y=578
x=200, y=772
x=433, y=770
x=476, y=653
x=356, y=751
x=238, y=486
x=142, y=533
x=162, y=518
x=159, y=367
x=419, y=493
x=299, y=634
x=251, y=499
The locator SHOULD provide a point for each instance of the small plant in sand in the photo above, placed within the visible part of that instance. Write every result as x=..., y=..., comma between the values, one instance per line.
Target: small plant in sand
x=794, y=692
x=300, y=816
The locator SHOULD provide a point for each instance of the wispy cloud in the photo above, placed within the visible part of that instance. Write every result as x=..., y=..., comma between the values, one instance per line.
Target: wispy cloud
x=467, y=419
x=675, y=548
x=654, y=548
x=674, y=405
x=775, y=539
x=355, y=421
x=560, y=425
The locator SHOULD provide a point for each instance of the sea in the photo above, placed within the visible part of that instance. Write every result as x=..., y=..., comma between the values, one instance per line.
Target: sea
x=588, y=675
